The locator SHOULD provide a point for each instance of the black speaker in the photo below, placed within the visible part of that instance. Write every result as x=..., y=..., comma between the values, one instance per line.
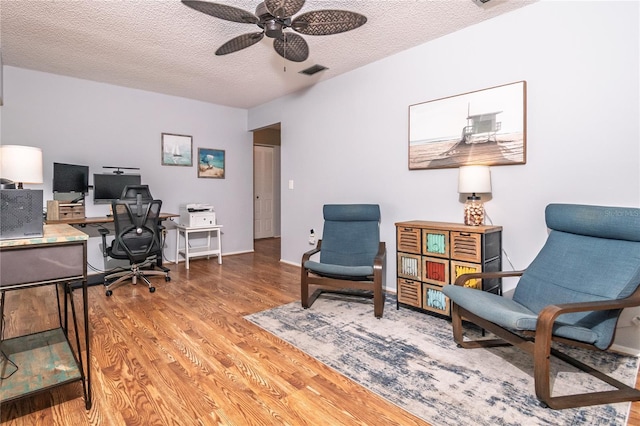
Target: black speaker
x=20, y=213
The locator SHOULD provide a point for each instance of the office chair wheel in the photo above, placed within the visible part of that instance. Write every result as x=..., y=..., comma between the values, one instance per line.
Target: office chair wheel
x=167, y=278
x=152, y=289
x=108, y=293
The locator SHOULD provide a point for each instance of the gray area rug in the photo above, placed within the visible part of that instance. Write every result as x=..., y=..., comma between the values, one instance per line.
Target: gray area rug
x=410, y=359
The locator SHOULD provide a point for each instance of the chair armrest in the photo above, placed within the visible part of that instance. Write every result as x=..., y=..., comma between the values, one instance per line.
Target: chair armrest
x=378, y=261
x=311, y=252
x=499, y=274
x=549, y=313
x=103, y=233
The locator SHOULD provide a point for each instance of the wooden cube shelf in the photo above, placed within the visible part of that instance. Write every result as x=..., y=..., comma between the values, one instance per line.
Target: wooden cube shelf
x=409, y=266
x=435, y=270
x=458, y=268
x=433, y=254
x=409, y=239
x=466, y=246
x=410, y=292
x=435, y=242
x=434, y=300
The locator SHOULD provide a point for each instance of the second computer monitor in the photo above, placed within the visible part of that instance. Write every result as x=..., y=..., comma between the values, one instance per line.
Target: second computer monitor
x=109, y=187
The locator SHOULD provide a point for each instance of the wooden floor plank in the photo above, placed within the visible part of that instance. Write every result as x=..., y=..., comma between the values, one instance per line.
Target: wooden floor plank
x=185, y=355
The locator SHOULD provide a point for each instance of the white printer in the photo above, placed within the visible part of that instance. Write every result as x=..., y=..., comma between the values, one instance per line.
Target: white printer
x=196, y=215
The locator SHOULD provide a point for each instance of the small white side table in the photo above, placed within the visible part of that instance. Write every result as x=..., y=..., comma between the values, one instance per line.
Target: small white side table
x=187, y=252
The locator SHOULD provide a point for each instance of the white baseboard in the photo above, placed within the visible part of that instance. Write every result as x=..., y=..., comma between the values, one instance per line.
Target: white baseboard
x=625, y=350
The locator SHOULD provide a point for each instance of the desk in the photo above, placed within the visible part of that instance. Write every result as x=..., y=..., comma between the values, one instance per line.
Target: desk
x=46, y=359
x=99, y=220
x=207, y=250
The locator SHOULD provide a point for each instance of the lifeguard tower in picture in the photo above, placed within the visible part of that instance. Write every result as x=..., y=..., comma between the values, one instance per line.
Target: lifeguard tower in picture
x=481, y=128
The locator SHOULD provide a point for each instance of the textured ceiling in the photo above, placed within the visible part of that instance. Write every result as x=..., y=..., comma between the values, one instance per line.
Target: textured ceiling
x=164, y=46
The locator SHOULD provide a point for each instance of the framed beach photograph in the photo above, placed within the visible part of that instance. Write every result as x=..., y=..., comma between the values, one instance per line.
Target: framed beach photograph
x=485, y=127
x=211, y=163
x=177, y=150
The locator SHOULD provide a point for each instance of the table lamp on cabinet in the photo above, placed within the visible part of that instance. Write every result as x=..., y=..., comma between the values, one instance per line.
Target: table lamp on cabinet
x=474, y=180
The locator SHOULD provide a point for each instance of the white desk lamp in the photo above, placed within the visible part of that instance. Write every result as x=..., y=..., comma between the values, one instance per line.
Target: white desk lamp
x=20, y=164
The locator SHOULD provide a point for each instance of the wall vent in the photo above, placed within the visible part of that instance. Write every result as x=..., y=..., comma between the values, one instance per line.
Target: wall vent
x=313, y=69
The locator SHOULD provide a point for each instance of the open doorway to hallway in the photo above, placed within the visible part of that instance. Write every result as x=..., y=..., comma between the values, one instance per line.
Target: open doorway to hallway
x=266, y=182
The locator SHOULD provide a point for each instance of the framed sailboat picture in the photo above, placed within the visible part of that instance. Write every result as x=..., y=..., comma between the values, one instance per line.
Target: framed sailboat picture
x=177, y=150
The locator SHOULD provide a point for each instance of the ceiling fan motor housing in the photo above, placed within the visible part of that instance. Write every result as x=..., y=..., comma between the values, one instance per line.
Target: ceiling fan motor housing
x=272, y=26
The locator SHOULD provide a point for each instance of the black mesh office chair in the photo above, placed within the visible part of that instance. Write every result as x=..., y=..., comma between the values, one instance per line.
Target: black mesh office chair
x=138, y=239
x=130, y=192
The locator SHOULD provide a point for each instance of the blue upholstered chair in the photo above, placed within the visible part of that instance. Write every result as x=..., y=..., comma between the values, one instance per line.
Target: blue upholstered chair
x=573, y=292
x=351, y=255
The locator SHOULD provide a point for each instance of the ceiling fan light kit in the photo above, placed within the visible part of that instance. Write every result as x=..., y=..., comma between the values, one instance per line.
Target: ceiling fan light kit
x=274, y=17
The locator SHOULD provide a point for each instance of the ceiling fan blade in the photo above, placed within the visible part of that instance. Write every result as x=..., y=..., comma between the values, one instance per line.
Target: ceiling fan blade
x=283, y=8
x=239, y=43
x=228, y=13
x=325, y=22
x=292, y=47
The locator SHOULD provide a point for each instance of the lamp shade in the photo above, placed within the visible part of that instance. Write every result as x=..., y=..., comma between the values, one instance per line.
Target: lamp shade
x=474, y=179
x=21, y=163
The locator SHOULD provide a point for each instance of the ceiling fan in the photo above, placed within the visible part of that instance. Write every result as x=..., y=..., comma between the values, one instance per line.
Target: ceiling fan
x=274, y=17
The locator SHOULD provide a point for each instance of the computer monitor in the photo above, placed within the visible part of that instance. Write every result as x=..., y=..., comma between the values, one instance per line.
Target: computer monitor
x=70, y=178
x=109, y=187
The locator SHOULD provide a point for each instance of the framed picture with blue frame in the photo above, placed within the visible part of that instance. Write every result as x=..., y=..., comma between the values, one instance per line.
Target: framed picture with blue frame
x=211, y=163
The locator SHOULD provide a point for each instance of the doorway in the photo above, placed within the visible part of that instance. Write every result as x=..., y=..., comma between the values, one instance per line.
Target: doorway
x=266, y=182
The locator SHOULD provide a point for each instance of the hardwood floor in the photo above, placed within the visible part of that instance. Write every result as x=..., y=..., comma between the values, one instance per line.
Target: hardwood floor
x=184, y=355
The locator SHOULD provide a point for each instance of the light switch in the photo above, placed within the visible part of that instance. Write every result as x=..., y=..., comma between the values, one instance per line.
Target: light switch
x=290, y=183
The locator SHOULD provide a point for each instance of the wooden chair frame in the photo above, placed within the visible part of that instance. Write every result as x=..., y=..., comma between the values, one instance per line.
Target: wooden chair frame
x=339, y=285
x=538, y=345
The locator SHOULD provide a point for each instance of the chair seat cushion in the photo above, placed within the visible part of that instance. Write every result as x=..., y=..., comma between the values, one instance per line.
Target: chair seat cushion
x=510, y=314
x=339, y=271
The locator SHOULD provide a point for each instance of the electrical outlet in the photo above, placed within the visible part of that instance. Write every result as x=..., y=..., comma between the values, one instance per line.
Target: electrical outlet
x=312, y=237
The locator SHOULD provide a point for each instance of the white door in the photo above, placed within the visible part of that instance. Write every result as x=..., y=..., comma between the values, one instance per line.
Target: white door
x=263, y=191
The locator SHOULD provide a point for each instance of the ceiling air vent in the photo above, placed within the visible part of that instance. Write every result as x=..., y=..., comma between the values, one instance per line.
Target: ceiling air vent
x=313, y=69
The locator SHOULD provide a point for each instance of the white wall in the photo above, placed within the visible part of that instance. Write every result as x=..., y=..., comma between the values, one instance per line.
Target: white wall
x=83, y=122
x=346, y=139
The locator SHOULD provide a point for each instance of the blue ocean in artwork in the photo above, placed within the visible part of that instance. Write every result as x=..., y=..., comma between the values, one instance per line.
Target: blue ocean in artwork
x=213, y=159
x=217, y=162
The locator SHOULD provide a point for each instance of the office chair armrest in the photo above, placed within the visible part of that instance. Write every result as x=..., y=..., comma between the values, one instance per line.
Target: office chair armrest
x=103, y=233
x=499, y=274
x=311, y=252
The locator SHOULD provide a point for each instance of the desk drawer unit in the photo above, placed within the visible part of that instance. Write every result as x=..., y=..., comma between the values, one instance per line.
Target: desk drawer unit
x=64, y=211
x=433, y=254
x=42, y=264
